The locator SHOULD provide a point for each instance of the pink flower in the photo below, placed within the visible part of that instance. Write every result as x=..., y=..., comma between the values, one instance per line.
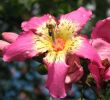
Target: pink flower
x=101, y=42
x=9, y=37
x=61, y=44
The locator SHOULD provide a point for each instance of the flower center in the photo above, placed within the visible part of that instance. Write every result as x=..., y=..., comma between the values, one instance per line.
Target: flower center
x=59, y=44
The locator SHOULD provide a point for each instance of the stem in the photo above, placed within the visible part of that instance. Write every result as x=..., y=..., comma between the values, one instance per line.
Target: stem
x=82, y=92
x=100, y=96
x=81, y=86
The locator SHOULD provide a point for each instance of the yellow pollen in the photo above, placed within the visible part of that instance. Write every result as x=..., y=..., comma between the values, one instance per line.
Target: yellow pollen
x=59, y=44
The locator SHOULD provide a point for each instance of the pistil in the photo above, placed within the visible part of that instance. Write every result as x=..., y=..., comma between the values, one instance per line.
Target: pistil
x=59, y=44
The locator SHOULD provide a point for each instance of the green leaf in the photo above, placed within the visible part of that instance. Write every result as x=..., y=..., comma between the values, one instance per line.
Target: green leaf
x=42, y=69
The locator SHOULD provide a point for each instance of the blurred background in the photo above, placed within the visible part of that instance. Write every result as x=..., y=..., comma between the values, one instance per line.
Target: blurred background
x=26, y=80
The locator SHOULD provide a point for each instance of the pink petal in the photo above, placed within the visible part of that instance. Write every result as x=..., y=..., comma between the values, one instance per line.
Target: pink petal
x=107, y=74
x=95, y=73
x=9, y=36
x=85, y=50
x=102, y=47
x=3, y=44
x=56, y=76
x=22, y=48
x=80, y=16
x=34, y=22
x=75, y=71
x=102, y=30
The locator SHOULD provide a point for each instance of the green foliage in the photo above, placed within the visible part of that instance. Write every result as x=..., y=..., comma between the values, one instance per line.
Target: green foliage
x=42, y=69
x=13, y=12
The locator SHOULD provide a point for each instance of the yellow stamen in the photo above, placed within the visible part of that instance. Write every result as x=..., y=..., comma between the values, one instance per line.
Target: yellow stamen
x=57, y=38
